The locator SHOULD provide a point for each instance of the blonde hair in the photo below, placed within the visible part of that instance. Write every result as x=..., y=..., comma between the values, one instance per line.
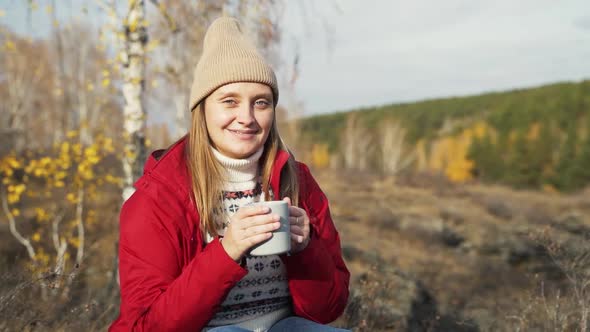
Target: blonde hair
x=207, y=174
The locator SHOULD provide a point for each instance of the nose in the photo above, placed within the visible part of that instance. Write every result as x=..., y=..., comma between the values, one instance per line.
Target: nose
x=245, y=115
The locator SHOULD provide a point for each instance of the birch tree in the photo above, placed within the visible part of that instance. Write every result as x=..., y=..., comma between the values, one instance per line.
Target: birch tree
x=356, y=145
x=131, y=38
x=179, y=35
x=25, y=71
x=394, y=155
x=133, y=60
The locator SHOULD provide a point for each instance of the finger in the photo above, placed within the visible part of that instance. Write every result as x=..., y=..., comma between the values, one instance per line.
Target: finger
x=256, y=239
x=260, y=229
x=297, y=238
x=259, y=220
x=295, y=211
x=288, y=200
x=243, y=224
x=296, y=220
x=254, y=210
x=297, y=230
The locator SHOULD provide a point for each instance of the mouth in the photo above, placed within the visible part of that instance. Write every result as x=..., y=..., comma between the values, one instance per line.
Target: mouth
x=243, y=133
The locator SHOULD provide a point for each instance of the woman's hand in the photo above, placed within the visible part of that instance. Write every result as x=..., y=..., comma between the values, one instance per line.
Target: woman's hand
x=248, y=227
x=299, y=227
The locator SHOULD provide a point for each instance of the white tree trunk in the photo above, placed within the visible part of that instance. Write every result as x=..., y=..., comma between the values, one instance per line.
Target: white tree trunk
x=356, y=144
x=180, y=101
x=133, y=60
x=80, y=226
x=392, y=149
x=60, y=245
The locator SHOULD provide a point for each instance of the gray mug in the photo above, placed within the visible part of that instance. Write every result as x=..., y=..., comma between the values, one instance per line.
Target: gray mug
x=280, y=242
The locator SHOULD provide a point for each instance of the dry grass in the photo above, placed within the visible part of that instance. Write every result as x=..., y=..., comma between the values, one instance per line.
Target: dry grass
x=425, y=255
x=473, y=247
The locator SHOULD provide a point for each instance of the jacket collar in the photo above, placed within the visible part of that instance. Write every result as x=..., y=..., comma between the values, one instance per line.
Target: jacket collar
x=170, y=167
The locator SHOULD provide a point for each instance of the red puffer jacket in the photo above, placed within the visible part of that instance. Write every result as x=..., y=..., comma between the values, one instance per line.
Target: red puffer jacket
x=172, y=281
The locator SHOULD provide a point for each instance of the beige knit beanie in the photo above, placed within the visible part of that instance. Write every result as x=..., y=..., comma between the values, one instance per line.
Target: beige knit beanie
x=229, y=57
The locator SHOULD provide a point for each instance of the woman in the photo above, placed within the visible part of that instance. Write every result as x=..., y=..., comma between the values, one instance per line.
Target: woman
x=186, y=231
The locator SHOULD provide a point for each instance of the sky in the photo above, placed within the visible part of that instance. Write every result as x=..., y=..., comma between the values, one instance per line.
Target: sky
x=356, y=54
x=397, y=51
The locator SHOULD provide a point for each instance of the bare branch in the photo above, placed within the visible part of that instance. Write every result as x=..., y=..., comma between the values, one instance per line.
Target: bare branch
x=22, y=240
x=167, y=17
x=109, y=8
x=55, y=230
x=80, y=224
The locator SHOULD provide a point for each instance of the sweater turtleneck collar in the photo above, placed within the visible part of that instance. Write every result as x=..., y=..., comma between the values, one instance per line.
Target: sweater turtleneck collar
x=240, y=171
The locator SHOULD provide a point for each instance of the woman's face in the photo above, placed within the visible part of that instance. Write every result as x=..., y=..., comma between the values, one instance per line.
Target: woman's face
x=239, y=117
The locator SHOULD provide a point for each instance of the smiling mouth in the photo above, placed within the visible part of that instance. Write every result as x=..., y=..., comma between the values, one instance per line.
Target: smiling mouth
x=243, y=132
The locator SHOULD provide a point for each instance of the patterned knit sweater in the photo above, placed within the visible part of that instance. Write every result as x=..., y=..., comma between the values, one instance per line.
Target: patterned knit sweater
x=262, y=297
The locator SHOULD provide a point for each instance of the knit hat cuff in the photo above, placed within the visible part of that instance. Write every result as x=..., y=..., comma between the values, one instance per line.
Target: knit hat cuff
x=241, y=70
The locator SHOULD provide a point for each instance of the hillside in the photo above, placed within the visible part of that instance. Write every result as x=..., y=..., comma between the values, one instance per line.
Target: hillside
x=526, y=138
x=430, y=255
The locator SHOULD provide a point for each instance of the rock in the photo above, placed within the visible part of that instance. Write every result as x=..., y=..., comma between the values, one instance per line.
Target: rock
x=498, y=208
x=450, y=238
x=430, y=228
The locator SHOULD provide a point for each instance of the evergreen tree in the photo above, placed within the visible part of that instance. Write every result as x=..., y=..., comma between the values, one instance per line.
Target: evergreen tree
x=522, y=171
x=581, y=167
x=487, y=157
x=543, y=152
x=564, y=178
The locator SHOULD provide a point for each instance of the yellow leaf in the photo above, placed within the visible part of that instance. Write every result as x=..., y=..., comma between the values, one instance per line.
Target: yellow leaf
x=13, y=198
x=90, y=87
x=13, y=162
x=36, y=237
x=41, y=214
x=106, y=82
x=74, y=242
x=15, y=212
x=320, y=156
x=9, y=44
x=48, y=9
x=18, y=189
x=71, y=198
x=108, y=145
x=133, y=26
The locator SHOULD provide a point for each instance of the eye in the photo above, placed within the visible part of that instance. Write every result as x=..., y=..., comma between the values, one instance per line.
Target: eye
x=262, y=103
x=230, y=102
